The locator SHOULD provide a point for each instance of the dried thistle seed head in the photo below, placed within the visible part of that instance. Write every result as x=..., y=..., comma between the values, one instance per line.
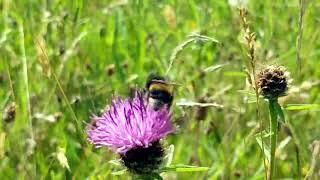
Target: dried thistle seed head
x=273, y=82
x=10, y=112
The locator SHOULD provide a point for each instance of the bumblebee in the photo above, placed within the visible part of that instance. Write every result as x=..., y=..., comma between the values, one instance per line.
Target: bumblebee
x=159, y=91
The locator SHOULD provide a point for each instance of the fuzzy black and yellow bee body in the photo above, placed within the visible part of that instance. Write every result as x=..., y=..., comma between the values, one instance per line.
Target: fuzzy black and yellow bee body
x=159, y=91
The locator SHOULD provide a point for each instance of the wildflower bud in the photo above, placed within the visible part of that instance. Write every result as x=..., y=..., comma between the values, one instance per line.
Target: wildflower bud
x=62, y=50
x=237, y=174
x=143, y=160
x=125, y=64
x=273, y=82
x=10, y=113
x=110, y=69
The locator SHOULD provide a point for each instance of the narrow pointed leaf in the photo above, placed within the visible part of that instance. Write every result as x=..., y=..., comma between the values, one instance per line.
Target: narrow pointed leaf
x=293, y=107
x=279, y=112
x=169, y=155
x=118, y=173
x=184, y=168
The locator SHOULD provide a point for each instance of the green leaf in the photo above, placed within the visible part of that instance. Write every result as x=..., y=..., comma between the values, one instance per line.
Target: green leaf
x=264, y=146
x=284, y=142
x=293, y=107
x=184, y=102
x=169, y=155
x=279, y=112
x=247, y=92
x=62, y=159
x=184, y=168
x=118, y=173
x=235, y=73
x=203, y=37
x=214, y=68
x=2, y=144
x=264, y=134
x=115, y=162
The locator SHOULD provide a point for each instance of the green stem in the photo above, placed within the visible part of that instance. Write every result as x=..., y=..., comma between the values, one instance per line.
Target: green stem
x=273, y=138
x=150, y=176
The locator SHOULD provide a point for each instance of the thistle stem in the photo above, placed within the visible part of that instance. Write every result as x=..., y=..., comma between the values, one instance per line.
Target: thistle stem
x=273, y=138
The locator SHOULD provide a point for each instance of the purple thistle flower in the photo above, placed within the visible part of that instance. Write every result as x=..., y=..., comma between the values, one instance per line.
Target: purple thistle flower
x=129, y=124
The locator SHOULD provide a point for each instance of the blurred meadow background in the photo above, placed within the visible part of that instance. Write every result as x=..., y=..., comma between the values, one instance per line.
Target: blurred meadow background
x=61, y=61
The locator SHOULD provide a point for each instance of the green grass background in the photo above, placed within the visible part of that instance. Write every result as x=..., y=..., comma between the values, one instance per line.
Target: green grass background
x=84, y=37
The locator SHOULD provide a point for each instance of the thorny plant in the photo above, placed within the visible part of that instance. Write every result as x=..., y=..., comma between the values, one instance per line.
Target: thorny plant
x=250, y=38
x=272, y=82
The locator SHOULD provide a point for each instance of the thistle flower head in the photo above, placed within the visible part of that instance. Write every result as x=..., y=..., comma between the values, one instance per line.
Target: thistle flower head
x=129, y=123
x=273, y=82
x=133, y=129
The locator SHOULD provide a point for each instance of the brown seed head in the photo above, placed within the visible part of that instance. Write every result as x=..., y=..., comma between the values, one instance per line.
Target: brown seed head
x=110, y=69
x=273, y=82
x=10, y=112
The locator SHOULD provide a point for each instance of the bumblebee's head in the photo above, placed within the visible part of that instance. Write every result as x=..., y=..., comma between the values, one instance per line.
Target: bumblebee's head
x=152, y=77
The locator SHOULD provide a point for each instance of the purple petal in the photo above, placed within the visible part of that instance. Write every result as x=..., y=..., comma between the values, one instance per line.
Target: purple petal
x=129, y=123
